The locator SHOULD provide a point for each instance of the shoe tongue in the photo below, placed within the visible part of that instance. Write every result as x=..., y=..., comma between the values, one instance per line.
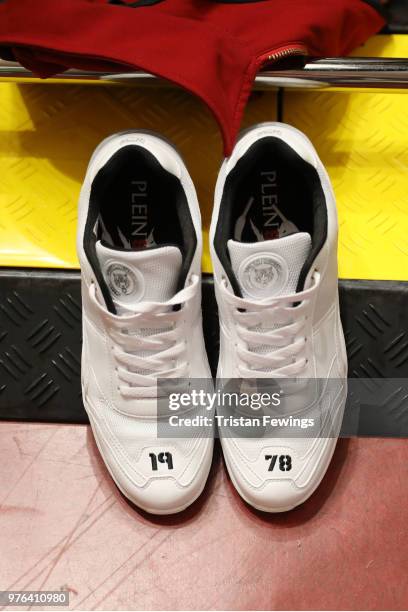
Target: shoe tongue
x=271, y=267
x=149, y=275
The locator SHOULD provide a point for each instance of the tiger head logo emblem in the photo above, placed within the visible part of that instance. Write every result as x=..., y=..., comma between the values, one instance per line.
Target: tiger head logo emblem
x=121, y=279
x=263, y=275
x=121, y=282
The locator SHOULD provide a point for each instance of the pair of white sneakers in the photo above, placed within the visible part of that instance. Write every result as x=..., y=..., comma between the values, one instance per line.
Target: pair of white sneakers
x=274, y=252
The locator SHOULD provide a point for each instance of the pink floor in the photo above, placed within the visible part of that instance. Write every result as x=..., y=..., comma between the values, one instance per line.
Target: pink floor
x=64, y=524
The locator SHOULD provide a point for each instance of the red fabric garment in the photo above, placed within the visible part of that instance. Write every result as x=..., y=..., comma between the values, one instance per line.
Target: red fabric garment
x=212, y=49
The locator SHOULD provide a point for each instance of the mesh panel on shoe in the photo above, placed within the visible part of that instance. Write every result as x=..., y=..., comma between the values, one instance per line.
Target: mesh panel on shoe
x=292, y=252
x=135, y=276
x=149, y=275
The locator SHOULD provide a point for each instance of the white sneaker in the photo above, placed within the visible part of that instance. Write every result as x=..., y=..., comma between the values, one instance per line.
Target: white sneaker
x=139, y=245
x=274, y=251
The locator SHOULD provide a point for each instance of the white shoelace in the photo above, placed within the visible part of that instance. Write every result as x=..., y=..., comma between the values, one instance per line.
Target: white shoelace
x=166, y=344
x=287, y=338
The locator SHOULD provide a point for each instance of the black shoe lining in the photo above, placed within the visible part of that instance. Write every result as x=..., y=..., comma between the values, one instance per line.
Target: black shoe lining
x=133, y=202
x=294, y=185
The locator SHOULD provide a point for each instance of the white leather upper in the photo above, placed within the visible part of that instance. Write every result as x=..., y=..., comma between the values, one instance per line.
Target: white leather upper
x=125, y=428
x=326, y=355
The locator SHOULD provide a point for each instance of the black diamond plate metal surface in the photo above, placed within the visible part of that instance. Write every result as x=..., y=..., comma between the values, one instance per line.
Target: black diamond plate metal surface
x=40, y=346
x=375, y=322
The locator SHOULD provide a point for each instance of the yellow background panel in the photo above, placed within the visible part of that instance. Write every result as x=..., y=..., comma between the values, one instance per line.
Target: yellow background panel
x=47, y=135
x=363, y=142
x=362, y=139
x=384, y=46
x=48, y=132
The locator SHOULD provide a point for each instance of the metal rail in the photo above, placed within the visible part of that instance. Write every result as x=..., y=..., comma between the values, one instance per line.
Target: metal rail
x=380, y=73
